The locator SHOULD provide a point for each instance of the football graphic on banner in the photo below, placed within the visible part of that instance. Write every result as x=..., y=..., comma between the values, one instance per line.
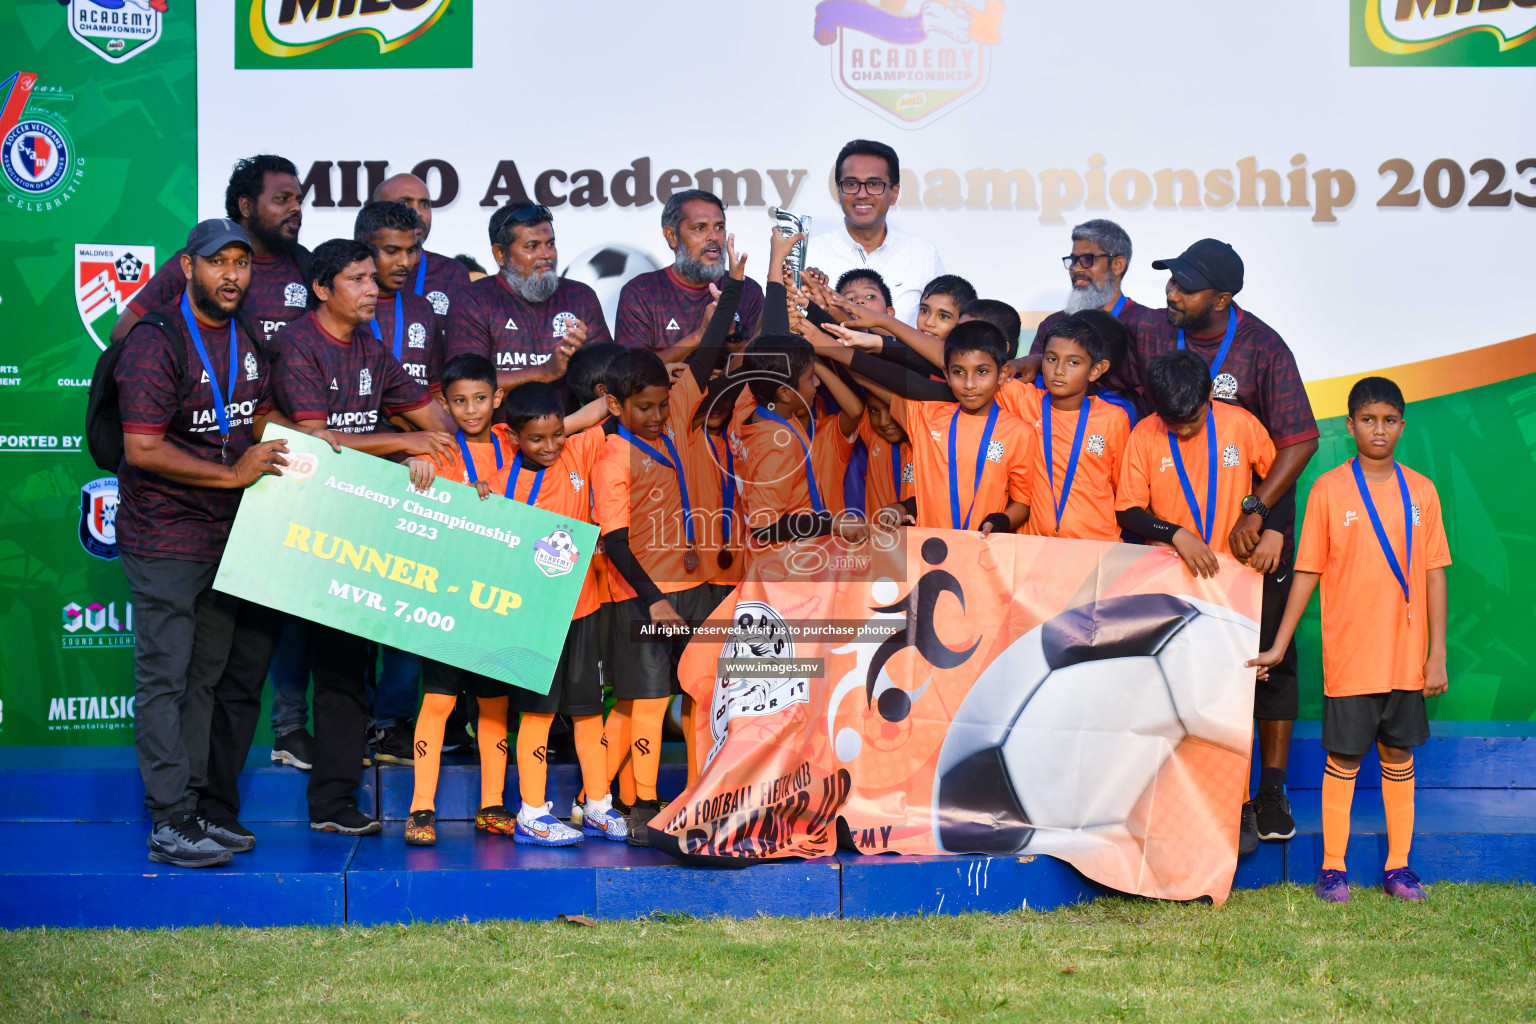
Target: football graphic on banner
x=606, y=270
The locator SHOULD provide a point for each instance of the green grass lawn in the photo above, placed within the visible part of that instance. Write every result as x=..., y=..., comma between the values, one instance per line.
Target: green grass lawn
x=1276, y=954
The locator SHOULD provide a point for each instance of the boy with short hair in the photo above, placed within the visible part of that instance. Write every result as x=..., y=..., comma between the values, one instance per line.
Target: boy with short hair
x=997, y=313
x=866, y=289
x=1372, y=534
x=1188, y=466
x=938, y=311
x=889, y=472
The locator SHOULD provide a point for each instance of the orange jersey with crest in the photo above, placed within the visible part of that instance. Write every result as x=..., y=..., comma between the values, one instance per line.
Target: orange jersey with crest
x=1004, y=473
x=772, y=461
x=1150, y=480
x=450, y=466
x=886, y=480
x=1090, y=509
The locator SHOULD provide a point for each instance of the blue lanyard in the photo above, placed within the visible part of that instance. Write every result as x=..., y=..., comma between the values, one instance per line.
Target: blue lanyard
x=421, y=274
x=981, y=465
x=675, y=465
x=1381, y=531
x=1226, y=341
x=469, y=460
x=517, y=469
x=810, y=472
x=1119, y=305
x=1048, y=440
x=399, y=325
x=727, y=483
x=1210, y=477
x=219, y=411
x=896, y=468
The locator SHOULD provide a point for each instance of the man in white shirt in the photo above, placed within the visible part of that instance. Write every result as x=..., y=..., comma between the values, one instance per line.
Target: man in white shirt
x=868, y=185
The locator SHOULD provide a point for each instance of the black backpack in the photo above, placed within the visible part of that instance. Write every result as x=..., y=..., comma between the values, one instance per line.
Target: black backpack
x=103, y=414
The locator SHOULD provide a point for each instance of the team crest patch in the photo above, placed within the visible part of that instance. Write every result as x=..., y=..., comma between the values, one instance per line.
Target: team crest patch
x=908, y=473
x=1414, y=510
x=1230, y=456
x=995, y=451
x=295, y=294
x=576, y=481
x=1096, y=444
x=98, y=517
x=364, y=381
x=556, y=554
x=562, y=323
x=671, y=433
x=107, y=277
x=1224, y=386
x=418, y=336
x=439, y=303
x=250, y=366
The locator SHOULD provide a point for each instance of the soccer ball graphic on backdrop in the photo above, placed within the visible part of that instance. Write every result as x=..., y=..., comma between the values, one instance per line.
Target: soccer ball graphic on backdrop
x=1065, y=731
x=607, y=269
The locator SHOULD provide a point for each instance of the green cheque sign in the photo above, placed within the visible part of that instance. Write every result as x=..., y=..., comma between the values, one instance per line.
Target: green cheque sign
x=345, y=540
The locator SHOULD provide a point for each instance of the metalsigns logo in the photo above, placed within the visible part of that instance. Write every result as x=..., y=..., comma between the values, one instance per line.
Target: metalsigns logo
x=116, y=29
x=1443, y=33
x=98, y=517
x=354, y=34
x=909, y=60
x=106, y=277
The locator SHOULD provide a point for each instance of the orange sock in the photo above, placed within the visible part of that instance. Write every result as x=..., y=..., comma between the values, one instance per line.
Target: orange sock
x=616, y=738
x=533, y=757
x=591, y=755
x=430, y=722
x=1338, y=794
x=689, y=709
x=1397, y=800
x=627, y=781
x=645, y=743
x=491, y=735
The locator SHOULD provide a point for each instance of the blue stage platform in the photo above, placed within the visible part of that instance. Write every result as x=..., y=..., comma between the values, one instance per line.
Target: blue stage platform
x=73, y=854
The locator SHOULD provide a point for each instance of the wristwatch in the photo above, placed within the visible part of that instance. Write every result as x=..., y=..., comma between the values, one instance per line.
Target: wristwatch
x=1254, y=505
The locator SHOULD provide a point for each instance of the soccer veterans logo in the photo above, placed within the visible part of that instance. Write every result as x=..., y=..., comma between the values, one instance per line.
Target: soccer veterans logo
x=106, y=278
x=98, y=517
x=1443, y=33
x=116, y=29
x=911, y=59
x=354, y=34
x=37, y=159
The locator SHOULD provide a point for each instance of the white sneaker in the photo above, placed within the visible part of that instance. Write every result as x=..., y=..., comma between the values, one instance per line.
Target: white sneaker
x=536, y=826
x=577, y=813
x=601, y=820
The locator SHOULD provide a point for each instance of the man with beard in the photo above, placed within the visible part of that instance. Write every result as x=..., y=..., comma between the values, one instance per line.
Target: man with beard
x=195, y=400
x=665, y=310
x=404, y=321
x=439, y=279
x=1250, y=366
x=527, y=319
x=264, y=198
x=868, y=185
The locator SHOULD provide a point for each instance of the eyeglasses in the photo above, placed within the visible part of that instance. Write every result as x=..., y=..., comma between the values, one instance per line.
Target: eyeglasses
x=851, y=186
x=1086, y=259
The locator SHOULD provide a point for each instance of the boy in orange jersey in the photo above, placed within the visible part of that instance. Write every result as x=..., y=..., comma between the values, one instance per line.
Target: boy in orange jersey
x=889, y=470
x=1372, y=534
x=866, y=289
x=1188, y=467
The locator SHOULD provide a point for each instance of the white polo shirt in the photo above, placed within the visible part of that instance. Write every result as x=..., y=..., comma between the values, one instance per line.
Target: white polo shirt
x=905, y=262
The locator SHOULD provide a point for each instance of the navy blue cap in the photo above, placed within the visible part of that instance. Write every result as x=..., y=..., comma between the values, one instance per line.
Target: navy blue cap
x=212, y=235
x=1209, y=263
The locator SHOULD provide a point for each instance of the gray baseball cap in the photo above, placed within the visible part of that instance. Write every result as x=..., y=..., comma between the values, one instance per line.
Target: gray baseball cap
x=212, y=235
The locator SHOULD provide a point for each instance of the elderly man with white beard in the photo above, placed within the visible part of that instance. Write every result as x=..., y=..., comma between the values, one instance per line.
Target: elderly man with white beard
x=527, y=319
x=667, y=310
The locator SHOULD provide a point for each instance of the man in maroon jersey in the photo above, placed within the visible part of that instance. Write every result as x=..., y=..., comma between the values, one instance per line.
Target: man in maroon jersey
x=405, y=322
x=263, y=197
x=194, y=396
x=664, y=310
x=331, y=372
x=526, y=319
x=440, y=279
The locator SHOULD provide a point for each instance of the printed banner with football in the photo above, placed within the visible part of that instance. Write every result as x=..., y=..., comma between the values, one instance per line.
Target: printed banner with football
x=344, y=539
x=1015, y=696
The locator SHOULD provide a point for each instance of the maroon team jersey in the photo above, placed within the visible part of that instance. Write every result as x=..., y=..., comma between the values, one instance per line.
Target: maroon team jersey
x=495, y=322
x=346, y=382
x=658, y=309
x=443, y=284
x=277, y=296
x=1259, y=373
x=421, y=345
x=159, y=394
x=1125, y=379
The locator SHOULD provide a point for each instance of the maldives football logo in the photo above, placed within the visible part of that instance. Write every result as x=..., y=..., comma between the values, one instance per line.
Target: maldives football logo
x=116, y=29
x=98, y=517
x=909, y=60
x=106, y=278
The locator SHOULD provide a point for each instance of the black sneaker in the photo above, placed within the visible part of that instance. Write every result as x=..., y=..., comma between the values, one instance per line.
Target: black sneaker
x=394, y=744
x=640, y=816
x=182, y=842
x=349, y=822
x=1272, y=810
x=230, y=834
x=295, y=748
x=1248, y=831
x=458, y=741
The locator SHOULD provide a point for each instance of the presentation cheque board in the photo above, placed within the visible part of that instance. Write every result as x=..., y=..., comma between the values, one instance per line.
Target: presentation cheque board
x=346, y=541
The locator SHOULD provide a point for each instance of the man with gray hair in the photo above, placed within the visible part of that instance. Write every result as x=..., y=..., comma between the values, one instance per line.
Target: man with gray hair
x=527, y=319
x=667, y=310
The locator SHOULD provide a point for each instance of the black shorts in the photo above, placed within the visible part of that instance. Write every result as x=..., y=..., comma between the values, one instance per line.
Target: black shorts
x=645, y=669
x=451, y=680
x=1277, y=698
x=718, y=592
x=577, y=688
x=1352, y=725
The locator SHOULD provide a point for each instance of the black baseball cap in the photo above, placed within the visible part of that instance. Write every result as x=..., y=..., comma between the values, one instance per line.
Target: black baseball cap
x=1209, y=263
x=212, y=235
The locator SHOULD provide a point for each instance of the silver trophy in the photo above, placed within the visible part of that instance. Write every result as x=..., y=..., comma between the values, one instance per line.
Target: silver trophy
x=791, y=226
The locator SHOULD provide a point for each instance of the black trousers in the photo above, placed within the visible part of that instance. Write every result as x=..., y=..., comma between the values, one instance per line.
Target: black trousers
x=237, y=708
x=339, y=663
